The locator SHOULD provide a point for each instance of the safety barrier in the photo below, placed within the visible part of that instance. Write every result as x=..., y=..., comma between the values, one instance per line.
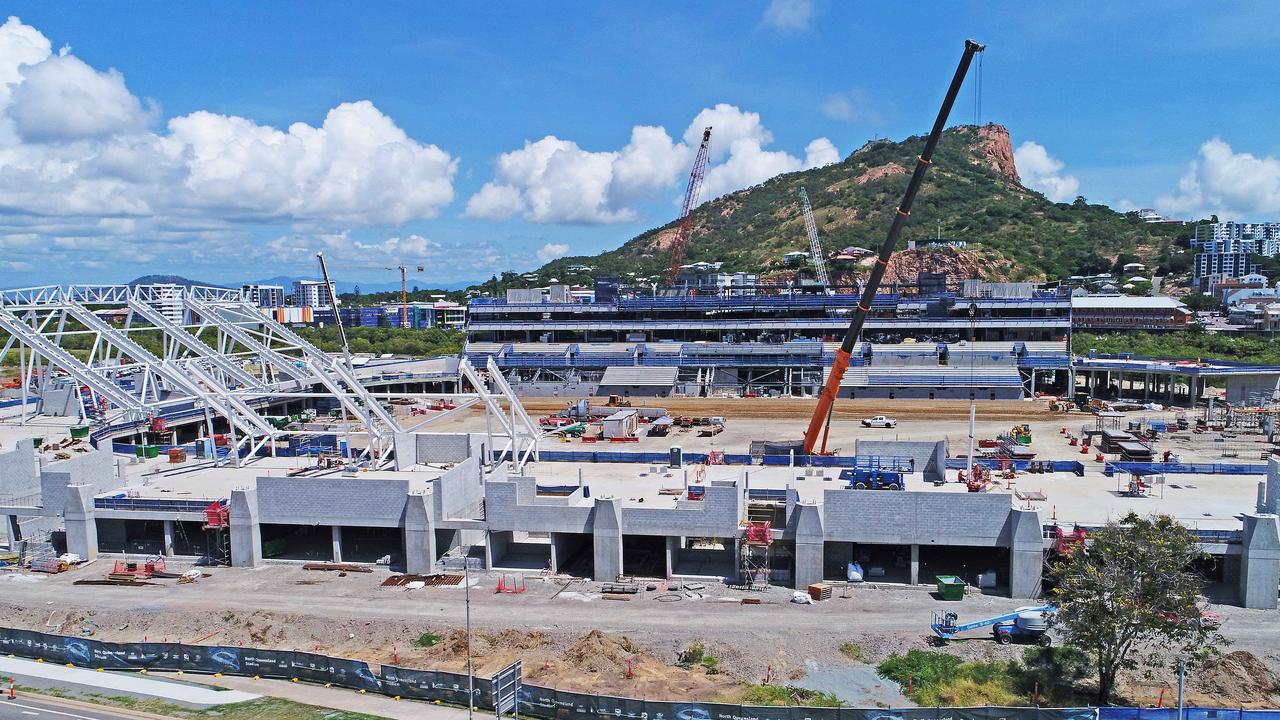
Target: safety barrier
x=1138, y=468
x=432, y=685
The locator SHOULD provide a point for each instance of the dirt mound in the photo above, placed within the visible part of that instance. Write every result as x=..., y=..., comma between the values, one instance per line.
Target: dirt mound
x=1237, y=678
x=597, y=652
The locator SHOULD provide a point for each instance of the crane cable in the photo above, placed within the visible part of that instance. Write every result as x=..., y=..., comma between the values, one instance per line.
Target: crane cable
x=977, y=92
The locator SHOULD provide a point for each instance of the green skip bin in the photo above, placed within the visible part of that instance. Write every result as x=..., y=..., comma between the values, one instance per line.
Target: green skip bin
x=951, y=587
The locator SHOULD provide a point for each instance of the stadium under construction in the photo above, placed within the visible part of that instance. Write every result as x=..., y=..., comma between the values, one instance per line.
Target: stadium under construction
x=185, y=421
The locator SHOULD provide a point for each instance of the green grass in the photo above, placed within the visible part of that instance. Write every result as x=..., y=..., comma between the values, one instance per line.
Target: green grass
x=427, y=639
x=696, y=655
x=941, y=679
x=787, y=695
x=854, y=651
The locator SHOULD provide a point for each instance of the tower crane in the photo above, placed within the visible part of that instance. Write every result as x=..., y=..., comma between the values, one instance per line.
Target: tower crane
x=404, y=293
x=690, y=202
x=815, y=247
x=820, y=423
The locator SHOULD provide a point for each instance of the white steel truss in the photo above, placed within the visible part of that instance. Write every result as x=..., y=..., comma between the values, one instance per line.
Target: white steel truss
x=132, y=354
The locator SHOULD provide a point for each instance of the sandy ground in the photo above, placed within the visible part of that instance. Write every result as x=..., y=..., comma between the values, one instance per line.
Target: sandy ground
x=552, y=634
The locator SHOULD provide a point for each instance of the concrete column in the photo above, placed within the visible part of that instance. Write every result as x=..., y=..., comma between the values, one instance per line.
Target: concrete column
x=419, y=537
x=810, y=544
x=1260, y=561
x=673, y=554
x=1026, y=554
x=13, y=530
x=82, y=529
x=915, y=564
x=606, y=530
x=337, y=543
x=496, y=547
x=1273, y=486
x=168, y=538
x=246, y=532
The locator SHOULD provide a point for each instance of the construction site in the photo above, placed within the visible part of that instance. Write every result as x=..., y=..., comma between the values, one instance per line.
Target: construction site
x=177, y=465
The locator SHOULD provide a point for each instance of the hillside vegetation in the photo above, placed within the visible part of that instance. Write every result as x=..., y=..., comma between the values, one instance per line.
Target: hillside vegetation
x=1183, y=345
x=972, y=189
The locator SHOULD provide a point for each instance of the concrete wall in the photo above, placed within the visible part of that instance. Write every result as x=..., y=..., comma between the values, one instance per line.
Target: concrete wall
x=459, y=492
x=60, y=402
x=1240, y=387
x=331, y=501
x=512, y=504
x=18, y=475
x=96, y=469
x=717, y=515
x=916, y=518
x=437, y=448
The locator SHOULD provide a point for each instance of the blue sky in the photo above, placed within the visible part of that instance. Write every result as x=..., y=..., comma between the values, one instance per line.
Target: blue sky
x=230, y=141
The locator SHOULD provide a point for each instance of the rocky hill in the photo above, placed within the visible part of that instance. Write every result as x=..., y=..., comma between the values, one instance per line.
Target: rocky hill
x=972, y=193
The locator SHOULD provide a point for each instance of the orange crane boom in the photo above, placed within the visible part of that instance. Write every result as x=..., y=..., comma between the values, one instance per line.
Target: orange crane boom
x=821, y=419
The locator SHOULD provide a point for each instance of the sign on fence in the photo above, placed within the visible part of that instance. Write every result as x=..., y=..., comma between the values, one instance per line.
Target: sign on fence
x=506, y=690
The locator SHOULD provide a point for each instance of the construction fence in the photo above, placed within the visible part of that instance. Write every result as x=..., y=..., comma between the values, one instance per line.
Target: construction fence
x=452, y=688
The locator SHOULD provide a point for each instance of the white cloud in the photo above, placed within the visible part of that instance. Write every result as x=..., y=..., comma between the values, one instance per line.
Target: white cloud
x=495, y=201
x=554, y=180
x=551, y=251
x=1042, y=172
x=61, y=98
x=82, y=162
x=851, y=106
x=821, y=152
x=1226, y=183
x=790, y=15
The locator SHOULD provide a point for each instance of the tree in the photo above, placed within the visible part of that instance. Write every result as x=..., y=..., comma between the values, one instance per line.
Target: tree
x=1132, y=598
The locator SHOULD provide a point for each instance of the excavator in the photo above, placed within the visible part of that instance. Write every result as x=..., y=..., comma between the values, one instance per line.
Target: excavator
x=820, y=423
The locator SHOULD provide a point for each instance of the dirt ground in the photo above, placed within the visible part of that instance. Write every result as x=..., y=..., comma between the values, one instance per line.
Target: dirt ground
x=575, y=640
x=802, y=409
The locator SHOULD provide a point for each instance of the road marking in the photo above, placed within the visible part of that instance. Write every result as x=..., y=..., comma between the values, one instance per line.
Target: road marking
x=45, y=710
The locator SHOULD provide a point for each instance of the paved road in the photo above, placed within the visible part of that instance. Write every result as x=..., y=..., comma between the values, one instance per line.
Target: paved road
x=29, y=707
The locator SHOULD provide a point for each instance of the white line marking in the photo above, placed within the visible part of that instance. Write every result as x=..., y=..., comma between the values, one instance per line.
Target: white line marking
x=39, y=710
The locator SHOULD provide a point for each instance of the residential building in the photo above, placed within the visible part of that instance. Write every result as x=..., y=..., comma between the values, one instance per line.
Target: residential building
x=1224, y=249
x=264, y=296
x=312, y=294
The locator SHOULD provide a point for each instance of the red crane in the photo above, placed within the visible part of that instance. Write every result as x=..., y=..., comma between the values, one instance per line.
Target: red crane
x=821, y=420
x=690, y=202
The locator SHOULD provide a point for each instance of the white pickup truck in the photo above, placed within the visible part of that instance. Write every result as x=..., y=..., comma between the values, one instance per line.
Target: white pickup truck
x=880, y=421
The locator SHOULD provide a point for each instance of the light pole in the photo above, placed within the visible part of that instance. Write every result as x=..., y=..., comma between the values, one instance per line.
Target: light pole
x=466, y=589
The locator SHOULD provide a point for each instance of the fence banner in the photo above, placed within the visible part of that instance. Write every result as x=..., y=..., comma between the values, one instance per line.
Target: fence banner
x=534, y=701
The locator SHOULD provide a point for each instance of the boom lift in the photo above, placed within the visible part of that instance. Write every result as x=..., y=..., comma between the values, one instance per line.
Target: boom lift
x=821, y=420
x=1026, y=624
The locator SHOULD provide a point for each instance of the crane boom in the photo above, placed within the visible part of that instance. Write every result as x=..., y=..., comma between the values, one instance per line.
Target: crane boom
x=337, y=316
x=822, y=413
x=815, y=247
x=690, y=202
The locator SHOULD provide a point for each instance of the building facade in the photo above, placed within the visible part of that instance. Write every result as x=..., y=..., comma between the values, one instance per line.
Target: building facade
x=264, y=296
x=312, y=294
